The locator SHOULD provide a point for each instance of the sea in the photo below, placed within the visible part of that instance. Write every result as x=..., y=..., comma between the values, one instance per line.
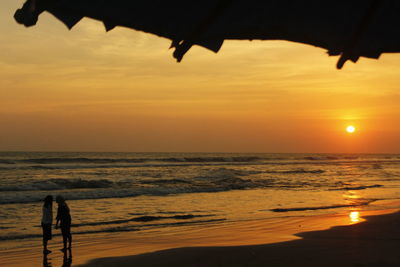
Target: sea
x=131, y=192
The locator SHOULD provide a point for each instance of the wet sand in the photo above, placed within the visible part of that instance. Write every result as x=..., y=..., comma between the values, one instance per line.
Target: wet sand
x=246, y=243
x=375, y=242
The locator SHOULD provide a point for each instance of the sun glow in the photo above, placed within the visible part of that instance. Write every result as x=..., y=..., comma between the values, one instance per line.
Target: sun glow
x=350, y=129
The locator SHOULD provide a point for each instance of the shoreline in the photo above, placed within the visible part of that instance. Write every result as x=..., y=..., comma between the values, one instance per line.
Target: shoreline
x=373, y=242
x=226, y=236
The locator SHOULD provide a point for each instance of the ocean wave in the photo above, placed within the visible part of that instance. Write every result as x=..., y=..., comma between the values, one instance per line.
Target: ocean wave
x=209, y=180
x=5, y=161
x=84, y=160
x=144, y=183
x=79, y=160
x=219, y=185
x=296, y=171
x=78, y=183
x=225, y=173
x=183, y=159
x=331, y=157
x=356, y=204
x=120, y=165
x=23, y=236
x=225, y=179
x=59, y=184
x=146, y=218
x=61, y=164
x=99, y=193
x=361, y=187
x=165, y=181
x=211, y=159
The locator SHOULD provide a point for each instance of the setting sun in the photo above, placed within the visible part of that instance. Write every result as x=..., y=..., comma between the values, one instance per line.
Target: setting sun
x=350, y=129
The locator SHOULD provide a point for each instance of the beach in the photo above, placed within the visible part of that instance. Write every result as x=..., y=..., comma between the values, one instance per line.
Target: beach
x=371, y=243
x=262, y=156
x=132, y=204
x=323, y=240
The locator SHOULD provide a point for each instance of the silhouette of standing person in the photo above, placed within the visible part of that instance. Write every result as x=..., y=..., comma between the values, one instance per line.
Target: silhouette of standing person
x=47, y=220
x=64, y=218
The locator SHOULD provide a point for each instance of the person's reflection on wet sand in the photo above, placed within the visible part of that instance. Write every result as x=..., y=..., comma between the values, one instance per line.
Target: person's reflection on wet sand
x=67, y=260
x=46, y=262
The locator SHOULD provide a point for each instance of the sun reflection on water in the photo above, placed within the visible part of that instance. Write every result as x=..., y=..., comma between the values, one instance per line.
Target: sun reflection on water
x=354, y=216
x=353, y=198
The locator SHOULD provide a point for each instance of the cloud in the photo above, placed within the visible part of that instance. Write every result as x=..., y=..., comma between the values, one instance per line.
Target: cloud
x=266, y=95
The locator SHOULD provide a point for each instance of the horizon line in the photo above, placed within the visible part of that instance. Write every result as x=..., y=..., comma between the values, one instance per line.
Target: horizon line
x=188, y=152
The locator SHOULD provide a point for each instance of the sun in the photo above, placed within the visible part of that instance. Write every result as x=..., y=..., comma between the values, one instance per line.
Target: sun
x=350, y=129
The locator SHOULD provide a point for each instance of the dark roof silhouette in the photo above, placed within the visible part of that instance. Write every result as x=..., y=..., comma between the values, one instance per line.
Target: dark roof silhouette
x=351, y=28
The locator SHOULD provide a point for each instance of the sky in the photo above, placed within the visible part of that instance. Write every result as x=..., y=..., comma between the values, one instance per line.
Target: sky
x=88, y=90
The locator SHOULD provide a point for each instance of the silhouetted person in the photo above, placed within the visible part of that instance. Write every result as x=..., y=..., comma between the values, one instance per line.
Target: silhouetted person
x=64, y=218
x=47, y=220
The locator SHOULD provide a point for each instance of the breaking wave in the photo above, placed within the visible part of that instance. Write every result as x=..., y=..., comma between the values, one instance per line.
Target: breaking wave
x=207, y=180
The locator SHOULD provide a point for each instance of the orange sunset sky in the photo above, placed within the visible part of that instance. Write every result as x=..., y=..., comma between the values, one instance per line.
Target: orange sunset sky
x=87, y=90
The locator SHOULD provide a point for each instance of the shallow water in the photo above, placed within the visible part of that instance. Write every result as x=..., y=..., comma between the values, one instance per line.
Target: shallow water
x=119, y=192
